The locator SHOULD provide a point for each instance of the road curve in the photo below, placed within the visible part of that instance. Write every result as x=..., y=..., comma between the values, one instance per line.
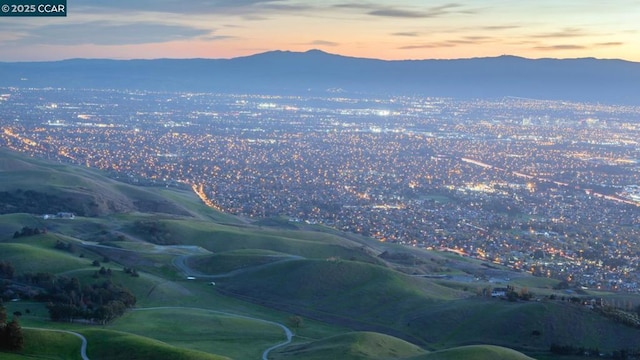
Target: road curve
x=83, y=348
x=265, y=355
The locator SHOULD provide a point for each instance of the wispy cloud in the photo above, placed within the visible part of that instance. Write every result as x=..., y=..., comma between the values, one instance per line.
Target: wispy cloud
x=612, y=43
x=407, y=34
x=560, y=47
x=108, y=33
x=500, y=27
x=564, y=33
x=434, y=45
x=322, y=43
x=408, y=13
x=179, y=6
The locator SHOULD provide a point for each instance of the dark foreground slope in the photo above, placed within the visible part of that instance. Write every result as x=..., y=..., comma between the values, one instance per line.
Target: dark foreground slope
x=29, y=185
x=588, y=79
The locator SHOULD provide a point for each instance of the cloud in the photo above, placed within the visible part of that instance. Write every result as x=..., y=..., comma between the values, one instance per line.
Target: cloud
x=415, y=13
x=500, y=27
x=612, y=43
x=109, y=33
x=409, y=34
x=565, y=33
x=245, y=8
x=431, y=12
x=323, y=43
x=560, y=47
x=435, y=45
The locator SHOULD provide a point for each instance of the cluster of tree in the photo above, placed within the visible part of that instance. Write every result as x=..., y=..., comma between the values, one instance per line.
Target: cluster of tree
x=131, y=271
x=61, y=245
x=624, y=317
x=513, y=295
x=11, y=337
x=27, y=231
x=6, y=270
x=103, y=272
x=155, y=231
x=68, y=299
x=99, y=302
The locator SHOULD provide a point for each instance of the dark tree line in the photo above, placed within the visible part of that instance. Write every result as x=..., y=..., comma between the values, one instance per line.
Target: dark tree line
x=69, y=300
x=61, y=245
x=27, y=231
x=11, y=337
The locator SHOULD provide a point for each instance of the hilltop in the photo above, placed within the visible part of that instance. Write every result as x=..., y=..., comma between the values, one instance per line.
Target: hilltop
x=315, y=71
x=210, y=285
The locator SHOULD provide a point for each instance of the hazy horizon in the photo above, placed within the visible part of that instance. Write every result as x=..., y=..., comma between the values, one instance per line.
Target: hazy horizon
x=324, y=51
x=378, y=29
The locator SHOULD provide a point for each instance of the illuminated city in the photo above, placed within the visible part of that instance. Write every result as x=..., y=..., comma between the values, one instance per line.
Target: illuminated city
x=546, y=187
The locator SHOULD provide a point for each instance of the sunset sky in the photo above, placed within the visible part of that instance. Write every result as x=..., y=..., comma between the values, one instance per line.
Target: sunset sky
x=384, y=29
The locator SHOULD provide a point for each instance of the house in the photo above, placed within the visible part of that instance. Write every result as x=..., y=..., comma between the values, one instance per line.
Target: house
x=499, y=292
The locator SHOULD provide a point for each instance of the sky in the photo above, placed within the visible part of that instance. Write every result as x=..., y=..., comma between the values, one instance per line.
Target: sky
x=382, y=29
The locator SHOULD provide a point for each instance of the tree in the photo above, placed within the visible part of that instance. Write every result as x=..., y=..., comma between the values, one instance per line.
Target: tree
x=3, y=315
x=14, y=336
x=296, y=321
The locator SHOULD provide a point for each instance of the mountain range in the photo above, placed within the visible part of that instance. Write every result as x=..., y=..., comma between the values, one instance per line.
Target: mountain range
x=317, y=72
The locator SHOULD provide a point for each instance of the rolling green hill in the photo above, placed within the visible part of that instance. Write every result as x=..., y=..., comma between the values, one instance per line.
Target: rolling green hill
x=474, y=352
x=264, y=273
x=352, y=346
x=29, y=185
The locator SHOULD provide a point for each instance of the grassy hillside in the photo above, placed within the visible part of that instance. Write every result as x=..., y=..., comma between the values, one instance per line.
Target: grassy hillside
x=203, y=330
x=522, y=325
x=30, y=185
x=108, y=344
x=351, y=346
x=26, y=257
x=348, y=292
x=475, y=352
x=44, y=344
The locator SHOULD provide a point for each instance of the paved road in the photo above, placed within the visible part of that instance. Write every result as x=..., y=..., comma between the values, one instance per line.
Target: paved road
x=83, y=348
x=265, y=355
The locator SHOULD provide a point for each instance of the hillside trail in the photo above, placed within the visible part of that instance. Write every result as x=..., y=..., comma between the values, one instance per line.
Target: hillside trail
x=265, y=355
x=83, y=347
x=180, y=262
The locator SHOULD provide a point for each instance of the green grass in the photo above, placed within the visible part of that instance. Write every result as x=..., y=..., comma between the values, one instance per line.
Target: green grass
x=351, y=346
x=115, y=345
x=43, y=344
x=475, y=352
x=224, y=238
x=32, y=258
x=526, y=326
x=346, y=290
x=203, y=330
x=226, y=262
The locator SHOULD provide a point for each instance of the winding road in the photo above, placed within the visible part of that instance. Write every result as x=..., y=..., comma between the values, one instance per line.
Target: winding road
x=83, y=348
x=180, y=262
x=265, y=355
